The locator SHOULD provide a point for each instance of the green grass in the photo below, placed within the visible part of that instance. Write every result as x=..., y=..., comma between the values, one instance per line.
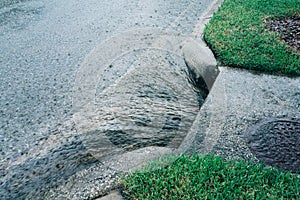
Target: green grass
x=239, y=36
x=211, y=177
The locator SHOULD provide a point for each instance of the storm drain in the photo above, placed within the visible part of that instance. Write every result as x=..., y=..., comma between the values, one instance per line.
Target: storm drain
x=276, y=142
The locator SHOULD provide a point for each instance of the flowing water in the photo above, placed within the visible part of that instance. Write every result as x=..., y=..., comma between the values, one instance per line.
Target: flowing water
x=71, y=100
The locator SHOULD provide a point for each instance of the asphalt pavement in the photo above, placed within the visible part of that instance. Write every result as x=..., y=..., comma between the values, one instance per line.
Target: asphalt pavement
x=44, y=45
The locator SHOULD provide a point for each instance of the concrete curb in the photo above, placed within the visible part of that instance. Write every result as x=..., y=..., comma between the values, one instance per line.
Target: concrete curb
x=202, y=65
x=205, y=17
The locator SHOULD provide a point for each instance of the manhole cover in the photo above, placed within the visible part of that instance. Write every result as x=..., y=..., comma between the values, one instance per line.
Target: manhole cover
x=276, y=142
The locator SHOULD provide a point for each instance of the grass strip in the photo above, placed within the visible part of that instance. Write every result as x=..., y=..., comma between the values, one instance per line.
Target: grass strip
x=239, y=36
x=211, y=177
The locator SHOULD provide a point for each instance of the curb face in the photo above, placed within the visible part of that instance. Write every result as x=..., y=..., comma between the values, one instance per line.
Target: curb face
x=201, y=63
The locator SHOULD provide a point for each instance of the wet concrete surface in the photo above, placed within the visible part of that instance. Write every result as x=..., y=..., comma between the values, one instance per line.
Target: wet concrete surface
x=240, y=101
x=43, y=45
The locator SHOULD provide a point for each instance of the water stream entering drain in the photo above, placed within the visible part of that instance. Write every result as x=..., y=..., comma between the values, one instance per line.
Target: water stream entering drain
x=126, y=98
x=145, y=107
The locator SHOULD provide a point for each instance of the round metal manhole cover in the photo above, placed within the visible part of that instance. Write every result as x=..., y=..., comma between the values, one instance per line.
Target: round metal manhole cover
x=276, y=142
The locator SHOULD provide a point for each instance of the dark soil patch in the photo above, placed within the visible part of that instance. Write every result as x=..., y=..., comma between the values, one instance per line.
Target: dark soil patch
x=290, y=30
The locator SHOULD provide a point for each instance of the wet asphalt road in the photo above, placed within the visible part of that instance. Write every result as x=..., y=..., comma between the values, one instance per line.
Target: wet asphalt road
x=42, y=46
x=44, y=42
